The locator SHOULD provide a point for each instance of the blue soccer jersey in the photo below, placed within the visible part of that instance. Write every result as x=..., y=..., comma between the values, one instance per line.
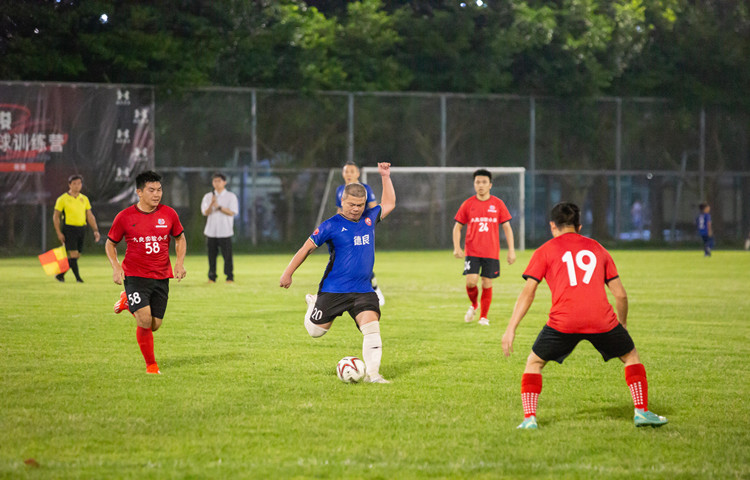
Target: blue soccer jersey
x=340, y=193
x=351, y=246
x=702, y=222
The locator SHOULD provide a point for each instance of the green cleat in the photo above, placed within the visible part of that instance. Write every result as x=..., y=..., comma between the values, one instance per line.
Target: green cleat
x=644, y=418
x=528, y=423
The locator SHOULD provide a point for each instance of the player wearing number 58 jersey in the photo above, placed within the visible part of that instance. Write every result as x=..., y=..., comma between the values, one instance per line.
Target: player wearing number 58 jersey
x=577, y=269
x=147, y=228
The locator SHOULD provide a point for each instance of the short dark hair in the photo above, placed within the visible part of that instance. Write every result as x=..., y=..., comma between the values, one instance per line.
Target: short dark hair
x=219, y=175
x=565, y=214
x=354, y=190
x=148, y=176
x=702, y=206
x=74, y=177
x=482, y=172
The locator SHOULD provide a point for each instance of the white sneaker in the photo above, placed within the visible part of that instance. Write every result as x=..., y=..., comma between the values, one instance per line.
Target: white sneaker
x=377, y=379
x=484, y=321
x=381, y=298
x=310, y=299
x=469, y=317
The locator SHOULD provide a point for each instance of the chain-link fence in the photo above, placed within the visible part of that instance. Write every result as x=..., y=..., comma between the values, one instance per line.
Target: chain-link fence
x=638, y=167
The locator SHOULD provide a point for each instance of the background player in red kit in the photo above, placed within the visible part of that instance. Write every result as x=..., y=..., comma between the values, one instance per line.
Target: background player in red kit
x=576, y=269
x=146, y=270
x=483, y=214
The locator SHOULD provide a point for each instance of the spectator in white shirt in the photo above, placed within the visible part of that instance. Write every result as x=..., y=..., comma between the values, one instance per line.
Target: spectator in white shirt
x=220, y=207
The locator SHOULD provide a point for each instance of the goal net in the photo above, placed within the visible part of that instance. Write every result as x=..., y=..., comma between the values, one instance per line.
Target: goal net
x=427, y=199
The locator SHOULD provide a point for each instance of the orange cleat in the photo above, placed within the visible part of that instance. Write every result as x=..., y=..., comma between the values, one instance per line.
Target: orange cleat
x=122, y=303
x=153, y=369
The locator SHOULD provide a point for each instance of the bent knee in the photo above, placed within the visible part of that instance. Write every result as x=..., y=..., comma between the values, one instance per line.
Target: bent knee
x=315, y=331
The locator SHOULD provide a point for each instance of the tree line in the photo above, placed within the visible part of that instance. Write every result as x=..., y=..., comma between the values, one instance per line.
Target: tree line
x=694, y=52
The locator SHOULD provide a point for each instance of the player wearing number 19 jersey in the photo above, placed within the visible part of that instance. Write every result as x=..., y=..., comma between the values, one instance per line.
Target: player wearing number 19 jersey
x=147, y=228
x=577, y=269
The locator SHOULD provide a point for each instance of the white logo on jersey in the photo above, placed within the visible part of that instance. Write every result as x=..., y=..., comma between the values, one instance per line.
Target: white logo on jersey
x=343, y=229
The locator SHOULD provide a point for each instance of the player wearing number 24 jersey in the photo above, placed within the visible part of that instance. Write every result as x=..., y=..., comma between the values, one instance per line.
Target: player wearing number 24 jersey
x=484, y=215
x=577, y=269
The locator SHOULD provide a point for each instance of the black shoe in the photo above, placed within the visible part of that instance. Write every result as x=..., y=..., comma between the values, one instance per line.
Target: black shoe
x=79, y=280
x=60, y=277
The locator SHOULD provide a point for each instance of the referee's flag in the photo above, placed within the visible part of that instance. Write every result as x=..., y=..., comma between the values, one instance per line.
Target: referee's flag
x=55, y=261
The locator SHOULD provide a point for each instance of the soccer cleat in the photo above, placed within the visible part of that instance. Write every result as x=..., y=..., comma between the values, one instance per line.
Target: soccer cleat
x=79, y=280
x=153, y=369
x=122, y=303
x=377, y=379
x=469, y=317
x=60, y=277
x=484, y=321
x=310, y=299
x=528, y=423
x=381, y=297
x=644, y=418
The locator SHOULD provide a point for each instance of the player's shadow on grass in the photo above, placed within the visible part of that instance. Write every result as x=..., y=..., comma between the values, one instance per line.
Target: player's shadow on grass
x=393, y=370
x=615, y=412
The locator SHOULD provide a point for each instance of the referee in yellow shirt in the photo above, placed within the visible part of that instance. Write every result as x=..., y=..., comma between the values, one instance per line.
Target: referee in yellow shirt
x=76, y=208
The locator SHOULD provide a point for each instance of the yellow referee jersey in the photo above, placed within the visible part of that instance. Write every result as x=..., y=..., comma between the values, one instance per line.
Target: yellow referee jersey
x=74, y=208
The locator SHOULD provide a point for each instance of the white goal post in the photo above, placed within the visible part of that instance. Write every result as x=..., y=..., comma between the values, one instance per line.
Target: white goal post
x=427, y=199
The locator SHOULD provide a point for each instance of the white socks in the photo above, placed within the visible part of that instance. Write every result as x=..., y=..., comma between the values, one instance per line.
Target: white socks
x=372, y=348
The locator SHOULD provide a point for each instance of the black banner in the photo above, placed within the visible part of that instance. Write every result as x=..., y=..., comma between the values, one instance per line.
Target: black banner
x=51, y=131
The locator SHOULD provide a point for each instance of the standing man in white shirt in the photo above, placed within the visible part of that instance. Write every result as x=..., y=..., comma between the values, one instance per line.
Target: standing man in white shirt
x=220, y=207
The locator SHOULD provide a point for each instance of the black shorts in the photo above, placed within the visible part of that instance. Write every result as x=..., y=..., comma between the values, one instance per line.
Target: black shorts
x=490, y=267
x=74, y=237
x=554, y=345
x=143, y=292
x=331, y=305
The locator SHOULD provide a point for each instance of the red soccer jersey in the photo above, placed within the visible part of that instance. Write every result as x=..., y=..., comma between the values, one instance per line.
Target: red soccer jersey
x=576, y=269
x=147, y=238
x=483, y=219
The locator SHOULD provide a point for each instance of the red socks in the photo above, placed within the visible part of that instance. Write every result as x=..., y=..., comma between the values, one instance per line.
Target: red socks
x=531, y=387
x=145, y=339
x=473, y=295
x=635, y=376
x=486, y=301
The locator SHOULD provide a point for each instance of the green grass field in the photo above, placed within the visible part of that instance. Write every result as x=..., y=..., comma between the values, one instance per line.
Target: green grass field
x=245, y=393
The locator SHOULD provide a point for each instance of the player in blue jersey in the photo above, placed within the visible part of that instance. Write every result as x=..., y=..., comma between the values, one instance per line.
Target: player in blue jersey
x=705, y=229
x=350, y=173
x=346, y=286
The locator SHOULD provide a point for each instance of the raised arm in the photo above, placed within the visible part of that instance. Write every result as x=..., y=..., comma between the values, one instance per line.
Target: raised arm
x=307, y=248
x=388, y=199
x=525, y=299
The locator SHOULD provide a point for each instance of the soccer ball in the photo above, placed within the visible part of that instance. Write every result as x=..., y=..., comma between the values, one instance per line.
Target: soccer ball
x=350, y=370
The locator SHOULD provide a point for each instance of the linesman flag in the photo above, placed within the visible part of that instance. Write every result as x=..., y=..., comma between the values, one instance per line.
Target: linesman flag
x=55, y=261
